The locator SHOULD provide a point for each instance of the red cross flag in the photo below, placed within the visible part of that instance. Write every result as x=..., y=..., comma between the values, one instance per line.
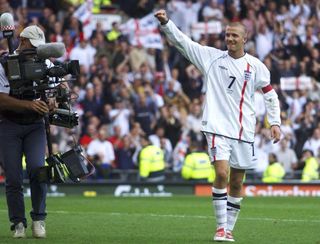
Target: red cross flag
x=143, y=32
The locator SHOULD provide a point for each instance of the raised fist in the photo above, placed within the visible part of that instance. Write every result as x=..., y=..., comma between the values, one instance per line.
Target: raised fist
x=161, y=15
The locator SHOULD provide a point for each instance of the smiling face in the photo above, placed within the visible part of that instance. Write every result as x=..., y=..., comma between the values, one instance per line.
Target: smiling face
x=235, y=39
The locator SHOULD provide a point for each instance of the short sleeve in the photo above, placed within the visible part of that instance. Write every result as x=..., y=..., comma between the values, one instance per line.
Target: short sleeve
x=4, y=83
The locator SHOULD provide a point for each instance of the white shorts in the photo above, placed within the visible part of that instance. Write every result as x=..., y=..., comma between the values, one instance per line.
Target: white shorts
x=237, y=153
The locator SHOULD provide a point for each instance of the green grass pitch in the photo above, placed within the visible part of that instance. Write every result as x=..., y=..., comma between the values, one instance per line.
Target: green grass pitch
x=179, y=219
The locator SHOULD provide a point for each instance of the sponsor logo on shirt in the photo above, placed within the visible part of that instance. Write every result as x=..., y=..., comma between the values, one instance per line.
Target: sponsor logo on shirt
x=247, y=75
x=222, y=67
x=204, y=122
x=214, y=151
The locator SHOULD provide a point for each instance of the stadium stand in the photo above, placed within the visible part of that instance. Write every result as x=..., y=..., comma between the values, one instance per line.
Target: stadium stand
x=132, y=81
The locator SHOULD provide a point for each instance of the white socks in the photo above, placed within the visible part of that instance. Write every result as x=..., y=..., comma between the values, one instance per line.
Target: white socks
x=226, y=208
x=219, y=202
x=233, y=209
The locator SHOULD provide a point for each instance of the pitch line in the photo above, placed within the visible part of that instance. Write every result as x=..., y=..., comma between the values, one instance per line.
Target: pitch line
x=180, y=216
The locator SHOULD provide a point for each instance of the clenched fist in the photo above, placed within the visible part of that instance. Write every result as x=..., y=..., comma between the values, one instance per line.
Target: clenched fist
x=161, y=15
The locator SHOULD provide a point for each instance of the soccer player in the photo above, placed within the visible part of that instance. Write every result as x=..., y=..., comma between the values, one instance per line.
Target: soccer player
x=228, y=114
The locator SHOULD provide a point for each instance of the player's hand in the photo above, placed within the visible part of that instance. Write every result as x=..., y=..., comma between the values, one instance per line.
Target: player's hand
x=38, y=106
x=161, y=15
x=275, y=133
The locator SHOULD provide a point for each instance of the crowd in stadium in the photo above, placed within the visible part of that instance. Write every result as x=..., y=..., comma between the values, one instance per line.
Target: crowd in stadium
x=127, y=93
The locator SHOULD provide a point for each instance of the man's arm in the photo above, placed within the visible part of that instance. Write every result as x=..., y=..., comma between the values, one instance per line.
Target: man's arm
x=199, y=55
x=270, y=99
x=273, y=111
x=13, y=104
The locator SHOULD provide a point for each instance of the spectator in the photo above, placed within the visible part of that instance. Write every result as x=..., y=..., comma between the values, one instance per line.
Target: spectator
x=101, y=153
x=145, y=114
x=151, y=161
x=120, y=116
x=83, y=52
x=197, y=165
x=89, y=104
x=114, y=33
x=274, y=172
x=116, y=139
x=156, y=138
x=212, y=11
x=287, y=157
x=193, y=123
x=89, y=136
x=180, y=151
x=313, y=143
x=310, y=166
x=172, y=125
x=124, y=154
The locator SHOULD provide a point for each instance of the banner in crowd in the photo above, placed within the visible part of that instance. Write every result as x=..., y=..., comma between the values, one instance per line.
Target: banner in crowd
x=205, y=28
x=143, y=32
x=89, y=20
x=84, y=14
x=296, y=83
x=106, y=20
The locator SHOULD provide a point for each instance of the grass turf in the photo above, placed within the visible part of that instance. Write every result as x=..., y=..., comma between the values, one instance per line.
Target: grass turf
x=180, y=219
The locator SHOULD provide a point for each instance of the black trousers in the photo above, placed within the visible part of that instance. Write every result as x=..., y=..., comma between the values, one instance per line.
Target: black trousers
x=30, y=140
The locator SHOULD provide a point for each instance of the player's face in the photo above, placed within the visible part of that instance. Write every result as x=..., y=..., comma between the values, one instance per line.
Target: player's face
x=235, y=38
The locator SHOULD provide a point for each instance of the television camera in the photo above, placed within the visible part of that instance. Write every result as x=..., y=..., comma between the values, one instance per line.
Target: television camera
x=32, y=76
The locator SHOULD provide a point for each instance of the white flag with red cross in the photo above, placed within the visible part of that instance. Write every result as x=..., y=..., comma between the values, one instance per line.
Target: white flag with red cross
x=143, y=32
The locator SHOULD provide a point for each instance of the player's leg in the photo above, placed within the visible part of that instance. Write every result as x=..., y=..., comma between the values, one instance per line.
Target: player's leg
x=241, y=159
x=219, y=192
x=219, y=154
x=234, y=197
x=219, y=198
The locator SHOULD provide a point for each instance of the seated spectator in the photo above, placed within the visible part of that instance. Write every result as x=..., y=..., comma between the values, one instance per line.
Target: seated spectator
x=275, y=172
x=151, y=161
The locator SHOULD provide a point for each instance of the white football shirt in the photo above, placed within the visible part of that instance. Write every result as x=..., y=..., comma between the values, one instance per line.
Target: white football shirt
x=229, y=103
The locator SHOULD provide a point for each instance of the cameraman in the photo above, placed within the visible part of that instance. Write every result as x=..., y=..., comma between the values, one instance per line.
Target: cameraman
x=22, y=132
